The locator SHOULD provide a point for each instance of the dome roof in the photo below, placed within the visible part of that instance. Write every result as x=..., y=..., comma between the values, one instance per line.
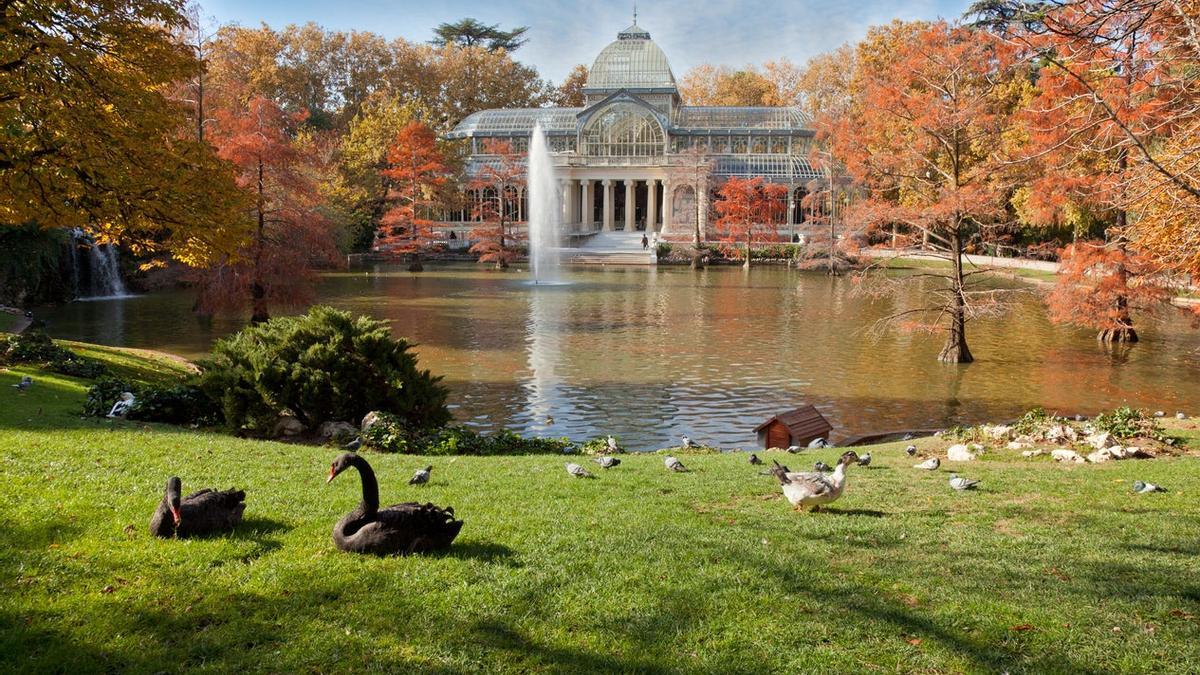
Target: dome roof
x=632, y=62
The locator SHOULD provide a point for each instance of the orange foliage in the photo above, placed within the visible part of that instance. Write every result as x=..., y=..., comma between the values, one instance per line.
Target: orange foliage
x=501, y=181
x=417, y=171
x=1099, y=284
x=749, y=211
x=290, y=238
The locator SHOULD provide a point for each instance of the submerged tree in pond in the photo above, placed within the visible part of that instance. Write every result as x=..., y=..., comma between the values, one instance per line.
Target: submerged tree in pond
x=1100, y=285
x=417, y=171
x=498, y=185
x=288, y=236
x=929, y=109
x=749, y=211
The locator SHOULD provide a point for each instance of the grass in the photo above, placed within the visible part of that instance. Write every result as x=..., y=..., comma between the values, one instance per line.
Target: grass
x=1047, y=568
x=926, y=263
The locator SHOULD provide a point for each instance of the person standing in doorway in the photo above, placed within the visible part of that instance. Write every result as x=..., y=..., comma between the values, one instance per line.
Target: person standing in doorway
x=645, y=242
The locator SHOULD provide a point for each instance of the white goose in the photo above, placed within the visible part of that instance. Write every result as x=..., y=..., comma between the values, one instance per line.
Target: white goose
x=814, y=489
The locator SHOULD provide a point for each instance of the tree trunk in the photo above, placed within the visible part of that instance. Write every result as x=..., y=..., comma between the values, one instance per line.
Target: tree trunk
x=956, y=350
x=258, y=291
x=697, y=259
x=1124, y=331
x=414, y=263
x=747, y=265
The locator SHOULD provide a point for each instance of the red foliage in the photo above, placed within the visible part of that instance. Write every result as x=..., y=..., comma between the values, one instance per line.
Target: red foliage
x=290, y=238
x=417, y=171
x=1100, y=284
x=749, y=211
x=500, y=183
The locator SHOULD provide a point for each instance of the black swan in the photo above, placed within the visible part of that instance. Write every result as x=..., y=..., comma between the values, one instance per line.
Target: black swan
x=401, y=529
x=198, y=514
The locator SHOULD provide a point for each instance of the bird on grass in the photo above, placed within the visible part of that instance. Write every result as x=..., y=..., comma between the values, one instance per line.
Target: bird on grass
x=864, y=459
x=204, y=512
x=1180, y=416
x=907, y=437
x=930, y=464
x=814, y=489
x=1143, y=488
x=354, y=445
x=674, y=464
x=818, y=443
x=687, y=442
x=421, y=477
x=578, y=471
x=961, y=484
x=606, y=462
x=25, y=383
x=754, y=460
x=1159, y=413
x=911, y=451
x=612, y=444
x=822, y=467
x=794, y=449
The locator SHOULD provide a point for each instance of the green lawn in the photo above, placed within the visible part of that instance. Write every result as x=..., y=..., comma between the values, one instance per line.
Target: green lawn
x=927, y=263
x=1047, y=568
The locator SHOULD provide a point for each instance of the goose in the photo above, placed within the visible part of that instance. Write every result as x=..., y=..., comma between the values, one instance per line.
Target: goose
x=814, y=489
x=818, y=443
x=400, y=529
x=578, y=471
x=754, y=460
x=961, y=484
x=25, y=383
x=122, y=405
x=674, y=464
x=612, y=445
x=1143, y=488
x=794, y=449
x=200, y=513
x=864, y=460
x=911, y=450
x=421, y=477
x=930, y=464
x=606, y=462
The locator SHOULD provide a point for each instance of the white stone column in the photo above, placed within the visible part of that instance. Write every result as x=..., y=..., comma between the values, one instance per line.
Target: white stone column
x=565, y=198
x=520, y=205
x=651, y=205
x=588, y=213
x=666, y=205
x=608, y=207
x=630, y=200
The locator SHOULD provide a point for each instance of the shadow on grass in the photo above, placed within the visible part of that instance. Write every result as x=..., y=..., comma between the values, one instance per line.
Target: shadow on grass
x=868, y=513
x=482, y=551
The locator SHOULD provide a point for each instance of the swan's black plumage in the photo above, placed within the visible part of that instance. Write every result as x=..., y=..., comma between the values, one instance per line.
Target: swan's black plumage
x=400, y=529
x=203, y=512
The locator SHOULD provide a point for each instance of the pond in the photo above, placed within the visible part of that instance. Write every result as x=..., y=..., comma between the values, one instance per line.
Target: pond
x=651, y=354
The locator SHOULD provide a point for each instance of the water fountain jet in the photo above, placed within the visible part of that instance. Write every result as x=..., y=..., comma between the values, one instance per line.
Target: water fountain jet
x=544, y=210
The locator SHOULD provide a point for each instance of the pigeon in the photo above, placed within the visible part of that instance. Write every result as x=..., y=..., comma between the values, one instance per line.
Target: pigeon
x=421, y=477
x=822, y=467
x=25, y=383
x=961, y=484
x=1159, y=413
x=578, y=471
x=794, y=449
x=122, y=405
x=911, y=450
x=612, y=444
x=687, y=442
x=354, y=445
x=1142, y=487
x=930, y=464
x=864, y=459
x=818, y=443
x=606, y=462
x=907, y=437
x=1180, y=416
x=755, y=460
x=674, y=464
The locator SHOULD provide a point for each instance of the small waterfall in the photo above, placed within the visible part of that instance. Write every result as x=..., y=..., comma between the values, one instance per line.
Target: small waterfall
x=98, y=275
x=544, y=210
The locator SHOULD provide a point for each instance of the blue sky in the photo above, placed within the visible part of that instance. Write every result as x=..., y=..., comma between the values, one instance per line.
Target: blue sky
x=562, y=34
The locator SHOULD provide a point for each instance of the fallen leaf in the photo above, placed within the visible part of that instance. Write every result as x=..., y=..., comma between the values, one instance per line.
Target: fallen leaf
x=1180, y=614
x=1021, y=627
x=913, y=641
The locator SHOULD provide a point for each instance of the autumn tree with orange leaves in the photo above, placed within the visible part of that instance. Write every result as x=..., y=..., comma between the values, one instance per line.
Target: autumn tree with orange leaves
x=1094, y=289
x=499, y=183
x=929, y=108
x=749, y=211
x=289, y=237
x=417, y=171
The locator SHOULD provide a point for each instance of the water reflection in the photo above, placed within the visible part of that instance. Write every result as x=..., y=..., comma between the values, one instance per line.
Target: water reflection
x=653, y=354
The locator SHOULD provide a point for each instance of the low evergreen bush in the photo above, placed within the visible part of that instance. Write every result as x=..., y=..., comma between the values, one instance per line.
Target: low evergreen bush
x=325, y=365
x=37, y=347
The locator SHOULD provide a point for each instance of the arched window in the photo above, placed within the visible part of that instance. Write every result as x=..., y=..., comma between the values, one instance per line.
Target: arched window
x=623, y=130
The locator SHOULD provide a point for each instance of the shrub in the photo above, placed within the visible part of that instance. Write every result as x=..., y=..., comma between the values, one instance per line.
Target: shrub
x=389, y=435
x=102, y=395
x=324, y=365
x=1126, y=422
x=663, y=249
x=1035, y=422
x=177, y=403
x=37, y=347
